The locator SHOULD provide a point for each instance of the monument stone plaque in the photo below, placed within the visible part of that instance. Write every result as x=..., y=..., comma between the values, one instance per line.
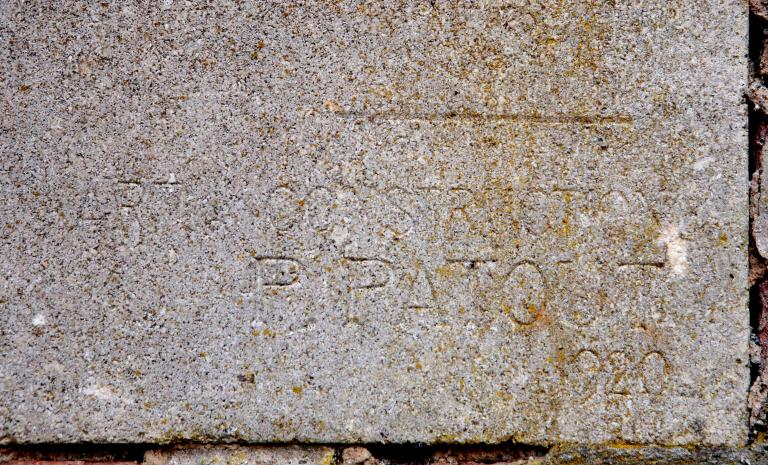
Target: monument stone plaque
x=399, y=221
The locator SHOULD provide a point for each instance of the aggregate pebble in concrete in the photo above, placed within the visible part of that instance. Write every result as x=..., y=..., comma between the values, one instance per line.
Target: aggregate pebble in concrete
x=386, y=221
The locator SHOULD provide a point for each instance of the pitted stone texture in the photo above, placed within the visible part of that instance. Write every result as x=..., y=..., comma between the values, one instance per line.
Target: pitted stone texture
x=242, y=455
x=374, y=221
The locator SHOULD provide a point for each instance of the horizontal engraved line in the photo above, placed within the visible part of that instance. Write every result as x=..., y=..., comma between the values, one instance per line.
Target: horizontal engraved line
x=621, y=120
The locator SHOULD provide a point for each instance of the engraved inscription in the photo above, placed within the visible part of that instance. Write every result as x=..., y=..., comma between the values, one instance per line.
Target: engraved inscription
x=654, y=370
x=368, y=273
x=618, y=368
x=284, y=207
x=419, y=290
x=522, y=295
x=586, y=366
x=500, y=225
x=516, y=245
x=381, y=222
x=621, y=373
x=129, y=193
x=279, y=272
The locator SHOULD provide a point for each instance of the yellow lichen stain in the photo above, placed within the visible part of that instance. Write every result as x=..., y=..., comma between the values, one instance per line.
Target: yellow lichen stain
x=506, y=308
x=624, y=445
x=723, y=239
x=329, y=458
x=445, y=271
x=564, y=230
x=333, y=106
x=297, y=390
x=238, y=458
x=446, y=438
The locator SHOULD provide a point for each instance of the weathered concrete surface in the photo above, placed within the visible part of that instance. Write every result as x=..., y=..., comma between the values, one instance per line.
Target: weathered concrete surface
x=387, y=221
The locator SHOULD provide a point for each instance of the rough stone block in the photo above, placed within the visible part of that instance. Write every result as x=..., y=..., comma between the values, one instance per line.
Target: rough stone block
x=417, y=221
x=242, y=455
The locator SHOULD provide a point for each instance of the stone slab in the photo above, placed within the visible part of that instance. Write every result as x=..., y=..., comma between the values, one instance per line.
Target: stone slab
x=242, y=455
x=374, y=221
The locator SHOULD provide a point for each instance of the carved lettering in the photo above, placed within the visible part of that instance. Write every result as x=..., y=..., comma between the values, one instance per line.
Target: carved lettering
x=280, y=272
x=618, y=369
x=654, y=369
x=621, y=372
x=320, y=204
x=586, y=367
x=419, y=290
x=523, y=294
x=129, y=193
x=368, y=273
x=284, y=208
